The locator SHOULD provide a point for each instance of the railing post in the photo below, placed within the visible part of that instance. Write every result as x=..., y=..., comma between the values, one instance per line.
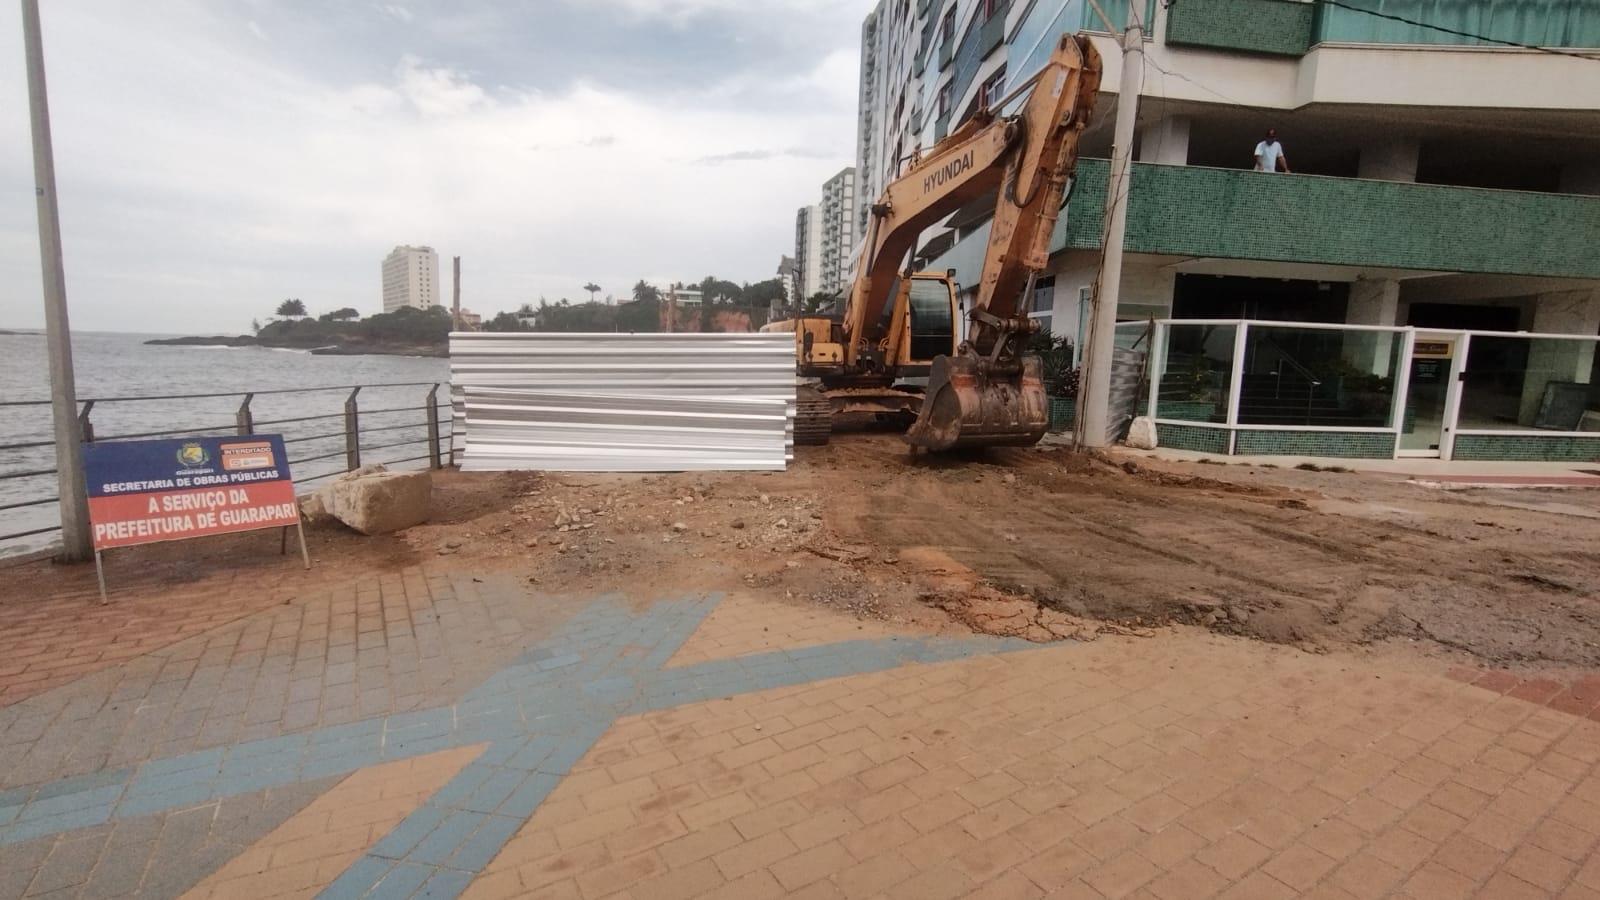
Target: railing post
x=245, y=418
x=352, y=432
x=86, y=426
x=1241, y=345
x=433, y=429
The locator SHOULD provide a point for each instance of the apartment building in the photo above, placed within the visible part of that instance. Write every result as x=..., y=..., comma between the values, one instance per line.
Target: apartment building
x=837, y=230
x=807, y=251
x=410, y=278
x=1443, y=189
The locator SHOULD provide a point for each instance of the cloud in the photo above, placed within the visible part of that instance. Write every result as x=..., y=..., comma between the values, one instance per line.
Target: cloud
x=438, y=90
x=205, y=174
x=717, y=159
x=397, y=12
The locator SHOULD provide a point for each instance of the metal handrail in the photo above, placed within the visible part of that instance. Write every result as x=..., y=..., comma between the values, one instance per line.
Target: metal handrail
x=439, y=442
x=312, y=390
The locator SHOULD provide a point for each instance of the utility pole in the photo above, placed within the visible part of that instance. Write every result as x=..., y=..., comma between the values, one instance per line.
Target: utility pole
x=455, y=316
x=75, y=536
x=1095, y=391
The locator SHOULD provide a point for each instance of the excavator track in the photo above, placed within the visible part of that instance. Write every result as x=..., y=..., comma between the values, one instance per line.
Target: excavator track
x=813, y=417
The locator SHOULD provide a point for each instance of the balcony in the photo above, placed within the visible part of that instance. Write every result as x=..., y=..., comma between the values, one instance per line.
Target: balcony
x=1273, y=27
x=994, y=29
x=1292, y=28
x=1240, y=214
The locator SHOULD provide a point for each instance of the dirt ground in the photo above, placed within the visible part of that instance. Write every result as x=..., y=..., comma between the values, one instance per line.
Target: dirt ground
x=1036, y=542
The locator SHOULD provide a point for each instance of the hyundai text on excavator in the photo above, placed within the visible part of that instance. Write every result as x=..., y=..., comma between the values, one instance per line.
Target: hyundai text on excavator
x=987, y=390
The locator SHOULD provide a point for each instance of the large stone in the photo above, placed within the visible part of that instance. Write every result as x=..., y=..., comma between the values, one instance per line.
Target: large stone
x=1142, y=434
x=381, y=502
x=313, y=506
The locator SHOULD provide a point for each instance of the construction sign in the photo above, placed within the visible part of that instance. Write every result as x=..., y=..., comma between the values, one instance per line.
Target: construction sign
x=141, y=492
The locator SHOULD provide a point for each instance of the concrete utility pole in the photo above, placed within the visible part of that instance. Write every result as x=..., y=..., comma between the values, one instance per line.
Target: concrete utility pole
x=1095, y=390
x=75, y=536
x=455, y=315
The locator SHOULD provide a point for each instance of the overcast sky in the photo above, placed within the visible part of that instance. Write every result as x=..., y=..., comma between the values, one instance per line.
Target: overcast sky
x=217, y=156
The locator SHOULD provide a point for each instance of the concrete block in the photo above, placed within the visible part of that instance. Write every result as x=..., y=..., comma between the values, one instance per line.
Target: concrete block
x=382, y=502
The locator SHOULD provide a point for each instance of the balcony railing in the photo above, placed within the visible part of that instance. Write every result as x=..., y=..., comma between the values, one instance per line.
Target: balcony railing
x=1239, y=214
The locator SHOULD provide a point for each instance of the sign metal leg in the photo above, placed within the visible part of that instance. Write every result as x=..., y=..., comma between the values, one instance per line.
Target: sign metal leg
x=305, y=554
x=100, y=572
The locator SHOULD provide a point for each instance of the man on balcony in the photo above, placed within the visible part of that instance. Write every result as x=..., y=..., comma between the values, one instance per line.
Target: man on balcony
x=1269, y=154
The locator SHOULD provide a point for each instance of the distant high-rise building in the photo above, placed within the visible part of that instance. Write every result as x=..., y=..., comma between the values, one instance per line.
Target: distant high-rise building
x=807, y=252
x=838, y=230
x=410, y=278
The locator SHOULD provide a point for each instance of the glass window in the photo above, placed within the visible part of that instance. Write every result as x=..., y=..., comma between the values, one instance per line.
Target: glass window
x=1197, y=373
x=994, y=88
x=947, y=27
x=1319, y=377
x=1525, y=384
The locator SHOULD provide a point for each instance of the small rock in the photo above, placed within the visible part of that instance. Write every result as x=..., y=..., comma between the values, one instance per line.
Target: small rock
x=531, y=542
x=1009, y=478
x=1011, y=538
x=791, y=564
x=1210, y=618
x=586, y=526
x=679, y=527
x=738, y=524
x=562, y=519
x=891, y=560
x=743, y=545
x=1239, y=614
x=781, y=523
x=452, y=545
x=1131, y=467
x=446, y=551
x=765, y=500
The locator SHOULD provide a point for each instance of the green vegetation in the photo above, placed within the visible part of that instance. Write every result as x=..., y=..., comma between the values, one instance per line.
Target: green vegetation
x=404, y=326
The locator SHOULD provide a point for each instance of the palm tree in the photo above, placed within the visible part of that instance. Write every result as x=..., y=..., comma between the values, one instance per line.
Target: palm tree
x=593, y=289
x=291, y=308
x=644, y=291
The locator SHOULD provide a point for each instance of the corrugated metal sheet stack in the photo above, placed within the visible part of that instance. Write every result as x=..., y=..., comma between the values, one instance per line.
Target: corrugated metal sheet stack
x=623, y=402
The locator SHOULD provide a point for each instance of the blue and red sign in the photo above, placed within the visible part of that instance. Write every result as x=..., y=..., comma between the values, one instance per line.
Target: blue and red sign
x=141, y=492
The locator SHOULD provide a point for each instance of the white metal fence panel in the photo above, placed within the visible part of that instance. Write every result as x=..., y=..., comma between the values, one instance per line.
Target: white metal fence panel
x=623, y=402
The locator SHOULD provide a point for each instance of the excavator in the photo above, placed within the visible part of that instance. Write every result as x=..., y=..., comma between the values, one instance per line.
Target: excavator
x=984, y=390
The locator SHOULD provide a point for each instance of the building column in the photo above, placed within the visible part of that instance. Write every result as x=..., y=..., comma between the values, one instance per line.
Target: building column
x=1561, y=312
x=1394, y=159
x=1166, y=142
x=1373, y=301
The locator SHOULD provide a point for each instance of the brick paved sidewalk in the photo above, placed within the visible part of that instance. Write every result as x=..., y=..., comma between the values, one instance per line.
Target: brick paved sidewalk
x=443, y=736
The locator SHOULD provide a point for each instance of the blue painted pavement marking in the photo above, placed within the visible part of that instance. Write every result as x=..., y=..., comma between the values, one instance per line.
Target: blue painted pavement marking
x=539, y=716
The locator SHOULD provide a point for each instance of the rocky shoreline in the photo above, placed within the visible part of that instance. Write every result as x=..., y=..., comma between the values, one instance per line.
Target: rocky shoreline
x=342, y=347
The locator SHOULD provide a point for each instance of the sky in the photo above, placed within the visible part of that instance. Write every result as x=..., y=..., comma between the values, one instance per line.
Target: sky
x=215, y=157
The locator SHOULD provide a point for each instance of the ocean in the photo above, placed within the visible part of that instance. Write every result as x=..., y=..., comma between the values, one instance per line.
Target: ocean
x=112, y=366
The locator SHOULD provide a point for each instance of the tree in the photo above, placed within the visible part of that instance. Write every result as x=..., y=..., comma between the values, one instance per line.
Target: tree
x=255, y=326
x=506, y=322
x=817, y=303
x=593, y=289
x=291, y=308
x=645, y=292
x=761, y=294
x=340, y=315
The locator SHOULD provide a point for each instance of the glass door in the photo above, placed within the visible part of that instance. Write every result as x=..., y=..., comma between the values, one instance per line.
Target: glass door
x=1427, y=422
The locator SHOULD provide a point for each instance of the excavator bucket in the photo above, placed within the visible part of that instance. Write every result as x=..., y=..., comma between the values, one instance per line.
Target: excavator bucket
x=966, y=406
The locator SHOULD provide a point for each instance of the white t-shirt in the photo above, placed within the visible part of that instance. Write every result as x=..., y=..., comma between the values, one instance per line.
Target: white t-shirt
x=1269, y=152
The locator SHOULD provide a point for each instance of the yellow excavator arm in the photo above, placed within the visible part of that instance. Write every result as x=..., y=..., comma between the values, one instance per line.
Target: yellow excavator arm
x=988, y=392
